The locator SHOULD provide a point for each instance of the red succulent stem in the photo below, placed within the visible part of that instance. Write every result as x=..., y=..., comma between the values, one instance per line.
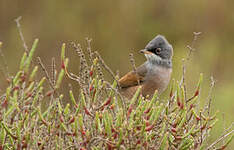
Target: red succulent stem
x=181, y=106
x=196, y=93
x=147, y=111
x=61, y=118
x=5, y=103
x=173, y=130
x=178, y=101
x=71, y=120
x=62, y=64
x=90, y=88
x=91, y=73
x=49, y=93
x=129, y=110
x=87, y=112
x=150, y=127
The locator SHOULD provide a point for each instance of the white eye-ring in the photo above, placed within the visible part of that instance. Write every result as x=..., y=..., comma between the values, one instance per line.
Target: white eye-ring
x=158, y=50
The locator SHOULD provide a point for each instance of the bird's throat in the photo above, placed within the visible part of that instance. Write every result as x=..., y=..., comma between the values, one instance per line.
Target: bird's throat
x=156, y=60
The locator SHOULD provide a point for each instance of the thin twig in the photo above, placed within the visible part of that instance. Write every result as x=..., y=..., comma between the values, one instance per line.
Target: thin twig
x=209, y=95
x=73, y=77
x=98, y=139
x=220, y=139
x=201, y=139
x=77, y=79
x=17, y=20
x=132, y=60
x=229, y=128
x=53, y=78
x=183, y=79
x=5, y=66
x=116, y=91
x=84, y=68
x=46, y=72
x=53, y=72
x=224, y=124
x=184, y=61
x=208, y=106
x=89, y=49
x=105, y=66
x=191, y=47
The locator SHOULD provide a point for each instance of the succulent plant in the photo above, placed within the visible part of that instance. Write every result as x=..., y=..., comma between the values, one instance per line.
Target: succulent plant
x=99, y=118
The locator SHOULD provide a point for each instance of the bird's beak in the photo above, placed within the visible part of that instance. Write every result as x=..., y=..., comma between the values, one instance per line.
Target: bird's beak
x=145, y=51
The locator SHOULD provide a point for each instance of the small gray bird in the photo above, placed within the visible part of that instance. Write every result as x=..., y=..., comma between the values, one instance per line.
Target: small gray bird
x=154, y=74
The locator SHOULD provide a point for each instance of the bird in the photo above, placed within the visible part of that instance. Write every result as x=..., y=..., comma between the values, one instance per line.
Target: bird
x=154, y=74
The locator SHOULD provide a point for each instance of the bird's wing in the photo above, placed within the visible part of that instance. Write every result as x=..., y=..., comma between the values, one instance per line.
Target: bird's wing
x=134, y=77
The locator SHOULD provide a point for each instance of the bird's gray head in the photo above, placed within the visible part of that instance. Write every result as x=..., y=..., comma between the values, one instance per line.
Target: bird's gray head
x=158, y=50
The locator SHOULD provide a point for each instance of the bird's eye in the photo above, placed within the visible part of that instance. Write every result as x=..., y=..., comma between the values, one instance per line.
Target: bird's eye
x=158, y=50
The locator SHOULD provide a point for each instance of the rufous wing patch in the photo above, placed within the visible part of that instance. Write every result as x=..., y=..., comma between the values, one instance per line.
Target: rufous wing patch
x=130, y=79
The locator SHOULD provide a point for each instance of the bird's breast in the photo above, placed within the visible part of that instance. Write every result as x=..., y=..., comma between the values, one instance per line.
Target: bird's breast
x=156, y=79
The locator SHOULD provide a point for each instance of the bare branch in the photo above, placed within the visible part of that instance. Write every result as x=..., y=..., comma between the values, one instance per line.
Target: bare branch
x=46, y=72
x=105, y=66
x=192, y=46
x=5, y=66
x=220, y=139
x=132, y=60
x=17, y=20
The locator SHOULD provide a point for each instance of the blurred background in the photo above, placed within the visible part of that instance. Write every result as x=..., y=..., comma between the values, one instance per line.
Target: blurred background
x=125, y=26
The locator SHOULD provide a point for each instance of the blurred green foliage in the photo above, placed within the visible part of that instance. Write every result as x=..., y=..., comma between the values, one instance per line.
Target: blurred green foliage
x=123, y=26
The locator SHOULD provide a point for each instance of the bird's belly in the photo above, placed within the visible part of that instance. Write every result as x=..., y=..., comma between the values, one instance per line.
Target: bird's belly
x=150, y=88
x=129, y=92
x=158, y=81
